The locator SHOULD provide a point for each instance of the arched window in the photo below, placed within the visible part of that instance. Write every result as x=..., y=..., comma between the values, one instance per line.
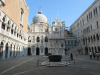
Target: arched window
x=46, y=39
x=21, y=17
x=29, y=39
x=9, y=22
x=4, y=19
x=94, y=37
x=62, y=45
x=41, y=39
x=56, y=29
x=97, y=37
x=12, y=25
x=38, y=39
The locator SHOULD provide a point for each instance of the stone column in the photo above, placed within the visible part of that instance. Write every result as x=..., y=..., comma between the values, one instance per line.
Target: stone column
x=3, y=56
x=0, y=25
x=8, y=52
x=15, y=51
x=35, y=51
x=12, y=51
x=98, y=10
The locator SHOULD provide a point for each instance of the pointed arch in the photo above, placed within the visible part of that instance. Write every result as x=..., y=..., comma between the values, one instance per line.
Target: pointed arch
x=1, y=49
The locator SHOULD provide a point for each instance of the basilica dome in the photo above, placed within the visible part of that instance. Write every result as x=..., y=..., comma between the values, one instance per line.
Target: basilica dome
x=39, y=18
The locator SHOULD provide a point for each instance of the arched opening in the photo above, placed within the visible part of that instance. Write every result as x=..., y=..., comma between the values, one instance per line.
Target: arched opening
x=1, y=49
x=97, y=37
x=14, y=51
x=17, y=51
x=86, y=50
x=6, y=52
x=46, y=51
x=29, y=51
x=10, y=50
x=37, y=51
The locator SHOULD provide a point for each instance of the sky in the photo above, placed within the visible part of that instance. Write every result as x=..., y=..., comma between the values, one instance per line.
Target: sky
x=68, y=10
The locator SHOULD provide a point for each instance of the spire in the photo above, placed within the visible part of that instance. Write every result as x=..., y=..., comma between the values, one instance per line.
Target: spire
x=56, y=17
x=50, y=21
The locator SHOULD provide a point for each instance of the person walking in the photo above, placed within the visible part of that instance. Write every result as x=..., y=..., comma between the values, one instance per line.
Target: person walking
x=97, y=55
x=71, y=56
x=94, y=55
x=90, y=55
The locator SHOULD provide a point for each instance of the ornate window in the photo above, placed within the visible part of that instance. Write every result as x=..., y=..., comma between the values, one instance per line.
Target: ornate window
x=97, y=24
x=3, y=26
x=4, y=19
x=29, y=39
x=56, y=29
x=38, y=39
x=21, y=17
x=46, y=39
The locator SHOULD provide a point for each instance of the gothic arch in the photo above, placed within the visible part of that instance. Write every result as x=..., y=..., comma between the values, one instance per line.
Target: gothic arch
x=1, y=49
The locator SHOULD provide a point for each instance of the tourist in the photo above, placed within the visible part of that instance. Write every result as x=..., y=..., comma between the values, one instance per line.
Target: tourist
x=90, y=55
x=71, y=56
x=97, y=54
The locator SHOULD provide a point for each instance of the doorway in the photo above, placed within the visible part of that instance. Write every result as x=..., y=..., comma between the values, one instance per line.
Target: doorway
x=37, y=51
x=29, y=51
x=86, y=51
x=46, y=51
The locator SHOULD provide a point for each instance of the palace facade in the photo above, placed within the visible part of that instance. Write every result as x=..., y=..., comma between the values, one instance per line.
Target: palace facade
x=87, y=29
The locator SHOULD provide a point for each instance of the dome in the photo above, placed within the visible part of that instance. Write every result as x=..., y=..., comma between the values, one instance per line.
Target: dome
x=39, y=18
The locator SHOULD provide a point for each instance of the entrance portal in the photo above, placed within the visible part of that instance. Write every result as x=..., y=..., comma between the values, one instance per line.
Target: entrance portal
x=86, y=50
x=37, y=51
x=29, y=51
x=46, y=50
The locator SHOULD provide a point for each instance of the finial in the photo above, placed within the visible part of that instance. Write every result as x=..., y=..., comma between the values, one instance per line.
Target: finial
x=40, y=8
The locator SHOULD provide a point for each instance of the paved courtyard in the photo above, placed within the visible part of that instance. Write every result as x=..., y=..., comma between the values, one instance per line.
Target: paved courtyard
x=28, y=66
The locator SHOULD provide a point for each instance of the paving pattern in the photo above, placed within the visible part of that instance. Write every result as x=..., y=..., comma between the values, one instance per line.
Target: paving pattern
x=28, y=66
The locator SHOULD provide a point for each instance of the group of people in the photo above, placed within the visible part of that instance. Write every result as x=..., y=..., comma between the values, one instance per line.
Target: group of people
x=95, y=55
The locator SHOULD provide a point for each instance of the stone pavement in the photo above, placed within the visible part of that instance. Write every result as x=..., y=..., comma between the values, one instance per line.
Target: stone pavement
x=28, y=66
